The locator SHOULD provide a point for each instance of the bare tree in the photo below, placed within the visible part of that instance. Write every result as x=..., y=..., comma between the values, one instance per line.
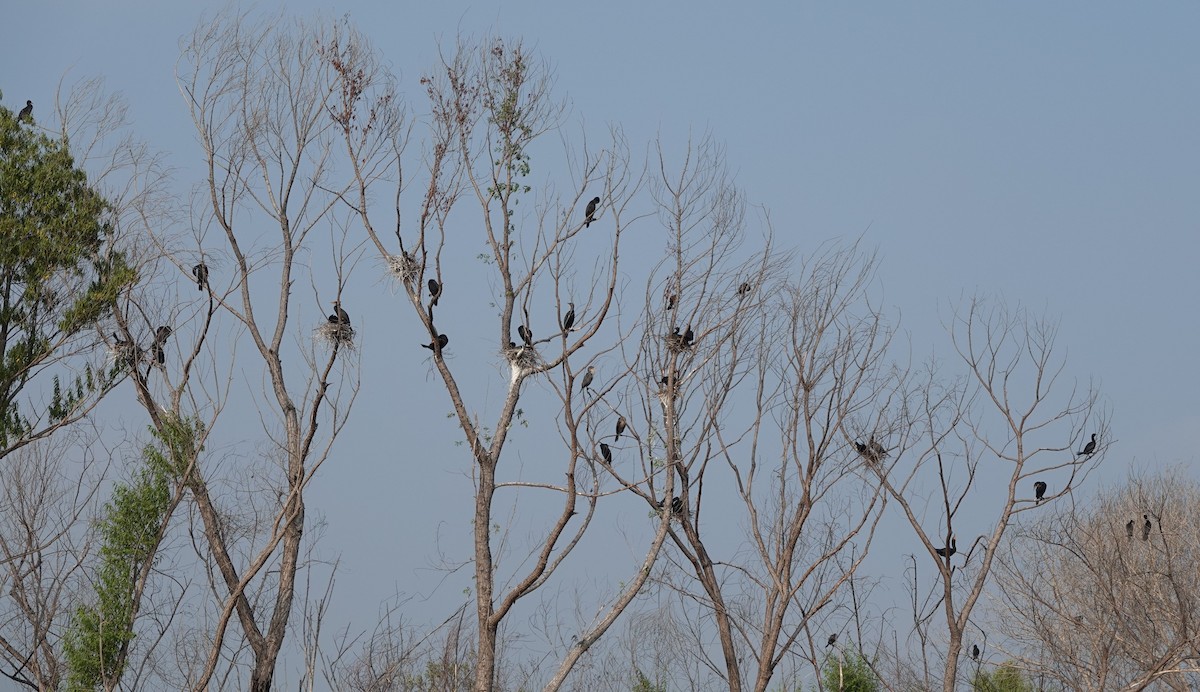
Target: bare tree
x=984, y=442
x=1106, y=595
x=809, y=358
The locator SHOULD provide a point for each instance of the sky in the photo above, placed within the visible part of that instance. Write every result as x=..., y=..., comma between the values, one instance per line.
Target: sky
x=1042, y=153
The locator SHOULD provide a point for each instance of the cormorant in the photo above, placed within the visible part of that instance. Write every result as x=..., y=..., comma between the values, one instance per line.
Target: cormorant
x=442, y=340
x=1039, y=490
x=831, y=641
x=161, y=334
x=200, y=271
x=677, y=505
x=688, y=336
x=435, y=289
x=587, y=378
x=157, y=353
x=620, y=427
x=568, y=319
x=339, y=315
x=950, y=549
x=744, y=288
x=1146, y=528
x=525, y=334
x=26, y=114
x=1090, y=447
x=1129, y=529
x=666, y=379
x=975, y=652
x=590, y=213
x=606, y=453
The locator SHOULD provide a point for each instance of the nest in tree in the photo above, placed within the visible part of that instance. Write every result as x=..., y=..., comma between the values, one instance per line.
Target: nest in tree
x=524, y=357
x=403, y=267
x=124, y=353
x=335, y=333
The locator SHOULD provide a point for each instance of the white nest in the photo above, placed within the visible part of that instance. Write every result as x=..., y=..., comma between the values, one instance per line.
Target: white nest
x=333, y=333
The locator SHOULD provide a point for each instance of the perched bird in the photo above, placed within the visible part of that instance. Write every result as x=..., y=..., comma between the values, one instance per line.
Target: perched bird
x=437, y=345
x=975, y=652
x=1129, y=530
x=587, y=378
x=677, y=505
x=339, y=315
x=666, y=379
x=675, y=339
x=672, y=299
x=950, y=549
x=1089, y=448
x=568, y=319
x=26, y=114
x=620, y=427
x=1146, y=528
x=435, y=289
x=590, y=212
x=688, y=336
x=525, y=334
x=157, y=353
x=831, y=641
x=1039, y=490
x=744, y=288
x=161, y=334
x=877, y=450
x=200, y=271
x=606, y=453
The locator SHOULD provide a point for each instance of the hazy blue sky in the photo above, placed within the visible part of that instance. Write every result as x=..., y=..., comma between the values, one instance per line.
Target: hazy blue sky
x=1048, y=153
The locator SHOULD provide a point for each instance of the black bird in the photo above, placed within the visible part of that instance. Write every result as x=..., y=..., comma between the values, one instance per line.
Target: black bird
x=157, y=353
x=671, y=300
x=441, y=342
x=1039, y=490
x=590, y=213
x=1129, y=529
x=950, y=549
x=666, y=379
x=688, y=336
x=525, y=334
x=675, y=339
x=1146, y=528
x=339, y=316
x=435, y=289
x=744, y=288
x=1089, y=448
x=26, y=114
x=877, y=450
x=620, y=427
x=975, y=652
x=200, y=271
x=831, y=641
x=161, y=334
x=587, y=378
x=677, y=505
x=568, y=319
x=606, y=453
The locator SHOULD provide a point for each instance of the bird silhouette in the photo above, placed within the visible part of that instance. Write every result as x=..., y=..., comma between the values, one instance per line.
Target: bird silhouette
x=1146, y=528
x=440, y=343
x=1089, y=448
x=975, y=652
x=672, y=298
x=1039, y=490
x=950, y=549
x=590, y=212
x=435, y=290
x=525, y=334
x=587, y=378
x=162, y=334
x=1129, y=529
x=200, y=271
x=568, y=319
x=688, y=336
x=744, y=288
x=620, y=428
x=26, y=114
x=339, y=316
x=831, y=641
x=606, y=453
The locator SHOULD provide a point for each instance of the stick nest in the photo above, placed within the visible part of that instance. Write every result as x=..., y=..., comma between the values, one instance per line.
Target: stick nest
x=403, y=267
x=524, y=357
x=332, y=333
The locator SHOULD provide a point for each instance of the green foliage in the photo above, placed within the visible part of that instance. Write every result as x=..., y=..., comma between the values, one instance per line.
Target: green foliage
x=1005, y=678
x=641, y=683
x=849, y=672
x=96, y=644
x=58, y=272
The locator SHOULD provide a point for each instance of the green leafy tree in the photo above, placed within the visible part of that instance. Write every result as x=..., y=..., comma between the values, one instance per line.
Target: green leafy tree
x=59, y=275
x=97, y=643
x=849, y=673
x=1005, y=678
